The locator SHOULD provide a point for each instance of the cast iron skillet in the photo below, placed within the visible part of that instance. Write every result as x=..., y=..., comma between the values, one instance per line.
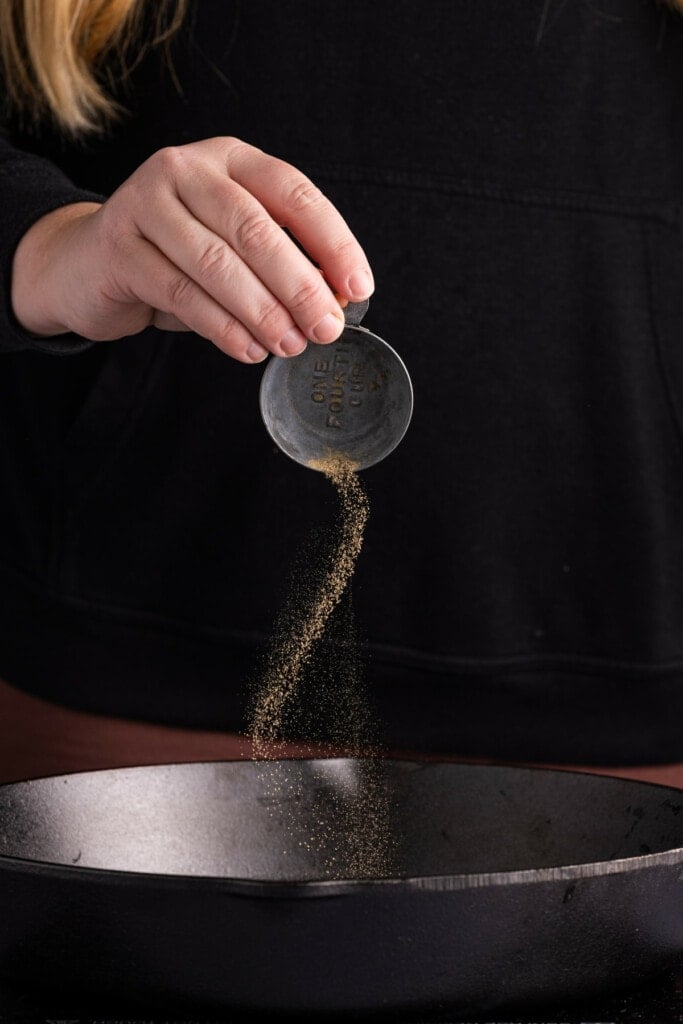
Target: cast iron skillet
x=185, y=886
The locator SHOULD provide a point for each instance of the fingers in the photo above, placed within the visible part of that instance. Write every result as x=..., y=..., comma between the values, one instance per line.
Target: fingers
x=221, y=272
x=283, y=277
x=177, y=298
x=205, y=222
x=297, y=204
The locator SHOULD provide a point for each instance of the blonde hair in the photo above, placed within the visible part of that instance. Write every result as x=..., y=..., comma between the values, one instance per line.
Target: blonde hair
x=52, y=50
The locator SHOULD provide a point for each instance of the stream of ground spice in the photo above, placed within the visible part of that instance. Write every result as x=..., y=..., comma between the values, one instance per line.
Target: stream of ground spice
x=312, y=683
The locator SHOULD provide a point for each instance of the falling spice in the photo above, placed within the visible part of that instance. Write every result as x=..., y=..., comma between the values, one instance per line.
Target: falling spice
x=312, y=691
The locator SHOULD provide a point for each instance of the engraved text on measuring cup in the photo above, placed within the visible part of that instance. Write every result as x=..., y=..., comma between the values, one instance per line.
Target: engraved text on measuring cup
x=338, y=383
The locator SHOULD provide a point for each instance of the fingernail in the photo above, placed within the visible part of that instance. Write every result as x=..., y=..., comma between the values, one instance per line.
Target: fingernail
x=328, y=329
x=257, y=353
x=293, y=342
x=361, y=284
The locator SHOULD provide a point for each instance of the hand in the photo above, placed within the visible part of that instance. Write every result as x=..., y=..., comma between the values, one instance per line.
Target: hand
x=194, y=241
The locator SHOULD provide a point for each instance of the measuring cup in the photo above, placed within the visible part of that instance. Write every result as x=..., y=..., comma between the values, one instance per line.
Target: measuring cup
x=352, y=399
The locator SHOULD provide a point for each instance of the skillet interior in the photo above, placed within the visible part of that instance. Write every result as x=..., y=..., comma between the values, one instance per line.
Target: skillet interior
x=245, y=820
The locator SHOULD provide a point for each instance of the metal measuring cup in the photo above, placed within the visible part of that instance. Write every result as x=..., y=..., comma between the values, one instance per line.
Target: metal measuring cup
x=352, y=399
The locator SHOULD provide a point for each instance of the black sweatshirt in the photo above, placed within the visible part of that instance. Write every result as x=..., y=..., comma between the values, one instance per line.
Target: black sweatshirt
x=515, y=174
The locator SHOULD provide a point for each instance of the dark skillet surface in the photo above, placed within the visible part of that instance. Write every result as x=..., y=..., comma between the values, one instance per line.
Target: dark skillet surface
x=222, y=819
x=180, y=888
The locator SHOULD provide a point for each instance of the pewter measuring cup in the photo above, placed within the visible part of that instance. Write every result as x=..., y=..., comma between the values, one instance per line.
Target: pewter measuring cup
x=351, y=399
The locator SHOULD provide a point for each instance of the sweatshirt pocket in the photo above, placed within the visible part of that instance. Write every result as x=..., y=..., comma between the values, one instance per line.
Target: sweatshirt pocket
x=665, y=288
x=537, y=499
x=533, y=511
x=101, y=430
x=106, y=419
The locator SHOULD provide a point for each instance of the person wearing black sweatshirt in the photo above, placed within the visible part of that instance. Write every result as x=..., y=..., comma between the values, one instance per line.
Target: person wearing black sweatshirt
x=512, y=176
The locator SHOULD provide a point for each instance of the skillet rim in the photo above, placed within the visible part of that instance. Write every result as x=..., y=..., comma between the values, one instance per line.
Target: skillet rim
x=318, y=888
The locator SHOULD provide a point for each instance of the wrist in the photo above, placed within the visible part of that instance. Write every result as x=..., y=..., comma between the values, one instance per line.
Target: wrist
x=39, y=302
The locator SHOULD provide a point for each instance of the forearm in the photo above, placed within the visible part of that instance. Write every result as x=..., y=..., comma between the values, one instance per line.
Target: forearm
x=38, y=301
x=31, y=188
x=193, y=240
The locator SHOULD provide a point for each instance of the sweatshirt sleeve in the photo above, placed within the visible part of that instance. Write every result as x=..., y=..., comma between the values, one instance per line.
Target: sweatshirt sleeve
x=30, y=186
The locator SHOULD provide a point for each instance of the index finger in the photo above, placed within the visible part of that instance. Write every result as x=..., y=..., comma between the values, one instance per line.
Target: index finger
x=296, y=203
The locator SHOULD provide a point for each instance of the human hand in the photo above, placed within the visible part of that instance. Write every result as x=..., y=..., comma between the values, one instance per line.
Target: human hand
x=194, y=240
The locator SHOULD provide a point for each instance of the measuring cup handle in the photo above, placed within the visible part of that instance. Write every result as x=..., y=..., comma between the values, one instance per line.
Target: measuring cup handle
x=355, y=311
